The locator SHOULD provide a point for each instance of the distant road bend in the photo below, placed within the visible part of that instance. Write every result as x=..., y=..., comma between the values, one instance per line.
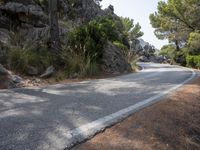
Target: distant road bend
x=58, y=116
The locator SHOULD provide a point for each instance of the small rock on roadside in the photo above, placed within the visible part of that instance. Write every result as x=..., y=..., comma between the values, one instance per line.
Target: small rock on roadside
x=16, y=79
x=48, y=73
x=32, y=71
x=31, y=82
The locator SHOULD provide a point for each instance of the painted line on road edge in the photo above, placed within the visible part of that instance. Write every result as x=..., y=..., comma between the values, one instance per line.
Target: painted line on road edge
x=80, y=134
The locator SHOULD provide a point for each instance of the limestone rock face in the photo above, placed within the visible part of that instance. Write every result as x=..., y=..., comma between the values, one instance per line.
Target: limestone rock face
x=25, y=2
x=144, y=50
x=20, y=8
x=114, y=60
x=4, y=36
x=3, y=54
x=83, y=10
x=29, y=19
x=4, y=44
x=8, y=79
x=3, y=71
x=4, y=21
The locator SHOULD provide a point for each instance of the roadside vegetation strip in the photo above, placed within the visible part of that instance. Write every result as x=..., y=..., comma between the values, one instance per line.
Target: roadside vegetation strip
x=87, y=131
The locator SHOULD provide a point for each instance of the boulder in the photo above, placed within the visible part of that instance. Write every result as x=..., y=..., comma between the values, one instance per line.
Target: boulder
x=114, y=60
x=3, y=71
x=144, y=59
x=16, y=79
x=9, y=79
x=32, y=71
x=48, y=73
x=30, y=10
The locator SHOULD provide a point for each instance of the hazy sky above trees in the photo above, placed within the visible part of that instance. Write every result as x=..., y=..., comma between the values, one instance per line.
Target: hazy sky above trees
x=139, y=10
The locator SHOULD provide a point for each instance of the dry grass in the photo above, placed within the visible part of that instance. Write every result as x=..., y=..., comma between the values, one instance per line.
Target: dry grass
x=173, y=124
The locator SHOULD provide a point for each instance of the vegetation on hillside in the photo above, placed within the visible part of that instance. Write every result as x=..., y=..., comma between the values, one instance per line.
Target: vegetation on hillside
x=86, y=43
x=73, y=36
x=70, y=35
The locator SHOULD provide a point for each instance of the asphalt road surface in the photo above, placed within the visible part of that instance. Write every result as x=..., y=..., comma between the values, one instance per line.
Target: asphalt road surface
x=56, y=116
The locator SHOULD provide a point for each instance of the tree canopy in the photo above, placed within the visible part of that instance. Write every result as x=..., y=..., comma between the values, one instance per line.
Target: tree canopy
x=131, y=30
x=176, y=19
x=179, y=22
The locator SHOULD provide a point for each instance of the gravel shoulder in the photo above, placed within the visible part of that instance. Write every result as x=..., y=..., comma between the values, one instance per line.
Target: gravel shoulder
x=170, y=124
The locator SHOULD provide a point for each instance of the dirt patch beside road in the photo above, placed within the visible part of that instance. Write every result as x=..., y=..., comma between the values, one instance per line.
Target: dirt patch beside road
x=171, y=124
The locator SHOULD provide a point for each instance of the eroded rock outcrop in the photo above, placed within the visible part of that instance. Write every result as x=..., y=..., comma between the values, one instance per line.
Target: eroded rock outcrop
x=32, y=14
x=3, y=71
x=8, y=79
x=28, y=21
x=114, y=60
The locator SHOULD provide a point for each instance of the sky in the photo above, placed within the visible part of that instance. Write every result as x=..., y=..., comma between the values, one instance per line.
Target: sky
x=139, y=10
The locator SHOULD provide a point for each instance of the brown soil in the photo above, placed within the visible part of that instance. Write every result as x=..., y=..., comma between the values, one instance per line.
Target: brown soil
x=173, y=124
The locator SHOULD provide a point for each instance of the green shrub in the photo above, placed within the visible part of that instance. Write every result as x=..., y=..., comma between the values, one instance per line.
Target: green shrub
x=88, y=41
x=168, y=51
x=90, y=68
x=176, y=56
x=120, y=45
x=193, y=61
x=85, y=45
x=194, y=44
x=20, y=58
x=79, y=65
x=92, y=37
x=180, y=56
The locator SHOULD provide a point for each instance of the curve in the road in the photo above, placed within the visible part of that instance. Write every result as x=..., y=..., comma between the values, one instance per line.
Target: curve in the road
x=87, y=131
x=59, y=116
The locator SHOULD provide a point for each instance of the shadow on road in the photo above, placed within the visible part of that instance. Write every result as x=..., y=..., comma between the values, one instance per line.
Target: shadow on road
x=41, y=118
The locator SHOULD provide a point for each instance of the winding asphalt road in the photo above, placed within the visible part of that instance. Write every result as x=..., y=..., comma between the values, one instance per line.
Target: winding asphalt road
x=56, y=117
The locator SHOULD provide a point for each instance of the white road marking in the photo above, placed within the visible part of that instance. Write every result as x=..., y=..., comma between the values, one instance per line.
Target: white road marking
x=84, y=132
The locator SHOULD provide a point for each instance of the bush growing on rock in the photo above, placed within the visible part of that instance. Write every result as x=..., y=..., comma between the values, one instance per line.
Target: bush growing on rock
x=89, y=37
x=85, y=46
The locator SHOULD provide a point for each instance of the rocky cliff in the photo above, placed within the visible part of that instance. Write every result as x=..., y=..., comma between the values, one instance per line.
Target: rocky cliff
x=146, y=51
x=26, y=24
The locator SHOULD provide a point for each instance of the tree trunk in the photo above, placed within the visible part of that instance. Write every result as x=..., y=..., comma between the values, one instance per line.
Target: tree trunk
x=177, y=45
x=55, y=45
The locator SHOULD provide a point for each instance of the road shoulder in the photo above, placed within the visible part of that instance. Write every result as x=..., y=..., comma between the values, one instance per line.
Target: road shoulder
x=170, y=124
